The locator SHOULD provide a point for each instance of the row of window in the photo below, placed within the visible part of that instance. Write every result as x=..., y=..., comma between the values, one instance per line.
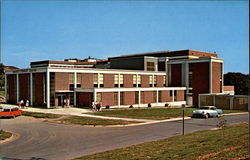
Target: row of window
x=118, y=80
x=99, y=97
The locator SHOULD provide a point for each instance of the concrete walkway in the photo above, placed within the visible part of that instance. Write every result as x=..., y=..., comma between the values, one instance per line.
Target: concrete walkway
x=80, y=112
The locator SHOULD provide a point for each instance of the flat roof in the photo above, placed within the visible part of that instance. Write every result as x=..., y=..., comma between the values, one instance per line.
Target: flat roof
x=168, y=54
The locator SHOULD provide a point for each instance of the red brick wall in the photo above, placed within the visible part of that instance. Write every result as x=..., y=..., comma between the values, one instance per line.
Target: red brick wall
x=216, y=77
x=159, y=81
x=61, y=81
x=176, y=75
x=24, y=89
x=166, y=96
x=128, y=80
x=11, y=82
x=129, y=98
x=84, y=99
x=108, y=80
x=87, y=80
x=107, y=99
x=38, y=89
x=180, y=95
x=144, y=81
x=148, y=97
x=200, y=80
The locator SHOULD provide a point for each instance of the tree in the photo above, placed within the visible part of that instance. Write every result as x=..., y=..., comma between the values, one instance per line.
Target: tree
x=240, y=82
x=2, y=79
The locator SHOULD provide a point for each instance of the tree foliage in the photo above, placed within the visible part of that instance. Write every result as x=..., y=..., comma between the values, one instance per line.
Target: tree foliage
x=240, y=82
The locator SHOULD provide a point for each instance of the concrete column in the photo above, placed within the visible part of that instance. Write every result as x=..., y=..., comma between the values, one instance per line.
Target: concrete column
x=119, y=85
x=139, y=97
x=137, y=80
x=17, y=88
x=98, y=80
x=169, y=75
x=210, y=76
x=173, y=95
x=31, y=89
x=75, y=86
x=166, y=69
x=213, y=100
x=48, y=88
x=94, y=95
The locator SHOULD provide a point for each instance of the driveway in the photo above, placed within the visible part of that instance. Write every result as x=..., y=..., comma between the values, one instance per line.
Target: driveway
x=58, y=142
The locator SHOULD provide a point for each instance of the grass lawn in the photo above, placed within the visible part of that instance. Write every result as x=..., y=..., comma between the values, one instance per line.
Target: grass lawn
x=209, y=145
x=93, y=121
x=4, y=135
x=40, y=115
x=150, y=113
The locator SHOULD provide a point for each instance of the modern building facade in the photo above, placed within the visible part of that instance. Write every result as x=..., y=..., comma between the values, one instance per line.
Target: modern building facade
x=156, y=78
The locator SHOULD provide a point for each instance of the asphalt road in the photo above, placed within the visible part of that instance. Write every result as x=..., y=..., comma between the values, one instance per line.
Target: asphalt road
x=41, y=140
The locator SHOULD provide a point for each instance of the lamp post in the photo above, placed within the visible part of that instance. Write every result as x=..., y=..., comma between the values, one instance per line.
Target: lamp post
x=183, y=113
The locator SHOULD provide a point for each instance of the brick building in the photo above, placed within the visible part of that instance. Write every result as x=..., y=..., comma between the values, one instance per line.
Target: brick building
x=156, y=78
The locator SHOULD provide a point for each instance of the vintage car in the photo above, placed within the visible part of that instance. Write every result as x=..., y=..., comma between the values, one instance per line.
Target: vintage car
x=10, y=111
x=206, y=112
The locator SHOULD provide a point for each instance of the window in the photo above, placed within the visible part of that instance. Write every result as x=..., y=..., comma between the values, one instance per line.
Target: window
x=154, y=96
x=151, y=81
x=175, y=95
x=160, y=96
x=115, y=98
x=121, y=98
x=79, y=78
x=164, y=81
x=134, y=80
x=154, y=80
x=71, y=78
x=190, y=76
x=150, y=66
x=136, y=97
x=121, y=79
x=95, y=79
x=98, y=97
x=142, y=97
x=116, y=80
x=100, y=80
x=139, y=80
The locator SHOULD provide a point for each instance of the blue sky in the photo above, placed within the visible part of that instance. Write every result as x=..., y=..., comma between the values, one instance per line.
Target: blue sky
x=56, y=30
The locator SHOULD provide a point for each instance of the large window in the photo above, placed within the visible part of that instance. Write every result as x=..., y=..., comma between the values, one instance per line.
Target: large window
x=95, y=80
x=150, y=66
x=136, y=80
x=136, y=97
x=121, y=79
x=164, y=81
x=98, y=78
x=71, y=78
x=160, y=96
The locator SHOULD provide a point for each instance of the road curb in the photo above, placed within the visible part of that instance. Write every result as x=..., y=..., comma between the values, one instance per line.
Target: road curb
x=13, y=137
x=232, y=114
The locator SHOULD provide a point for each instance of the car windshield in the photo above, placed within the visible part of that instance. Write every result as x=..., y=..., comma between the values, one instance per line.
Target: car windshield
x=205, y=107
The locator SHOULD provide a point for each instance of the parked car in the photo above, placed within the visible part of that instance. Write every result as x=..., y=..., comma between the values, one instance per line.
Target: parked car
x=10, y=111
x=206, y=112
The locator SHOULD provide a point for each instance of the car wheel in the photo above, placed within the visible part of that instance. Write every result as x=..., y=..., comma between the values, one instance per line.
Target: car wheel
x=206, y=116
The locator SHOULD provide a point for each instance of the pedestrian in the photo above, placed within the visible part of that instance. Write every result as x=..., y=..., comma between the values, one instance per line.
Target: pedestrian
x=22, y=103
x=98, y=106
x=27, y=103
x=93, y=106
